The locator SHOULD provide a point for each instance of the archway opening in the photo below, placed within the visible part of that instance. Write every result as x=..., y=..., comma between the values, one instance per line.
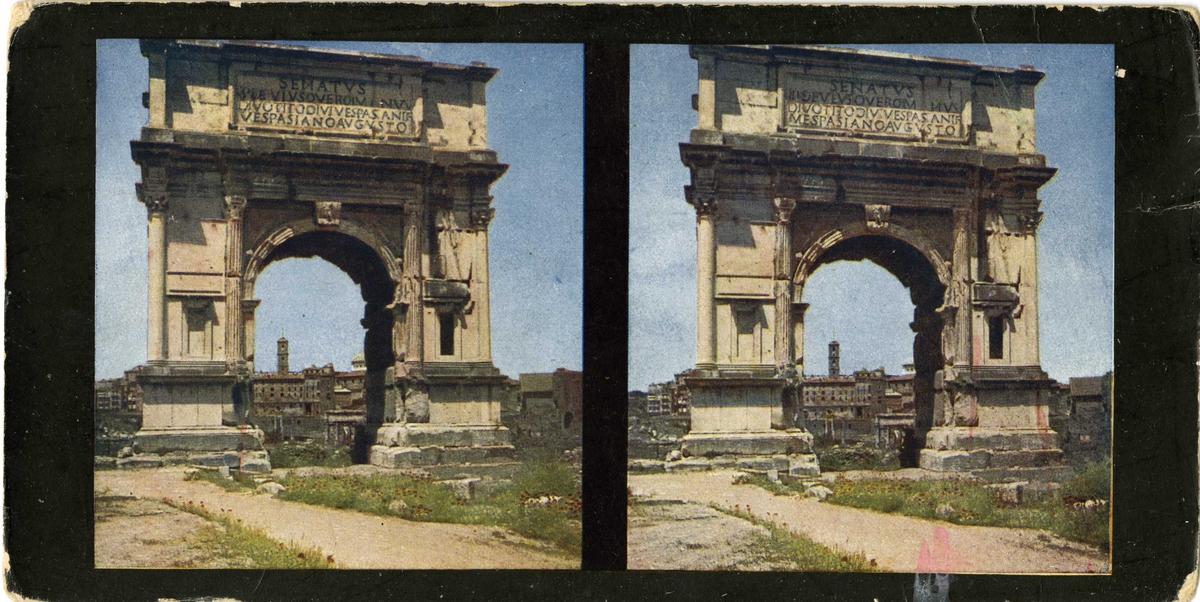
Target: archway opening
x=306, y=290
x=867, y=315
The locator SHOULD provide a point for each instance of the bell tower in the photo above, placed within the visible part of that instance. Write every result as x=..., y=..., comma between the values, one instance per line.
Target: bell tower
x=282, y=353
x=835, y=353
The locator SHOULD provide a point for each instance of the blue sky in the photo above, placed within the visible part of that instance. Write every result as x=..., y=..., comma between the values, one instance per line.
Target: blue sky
x=535, y=123
x=860, y=303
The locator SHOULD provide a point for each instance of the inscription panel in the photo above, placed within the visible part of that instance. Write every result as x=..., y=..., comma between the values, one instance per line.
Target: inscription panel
x=316, y=104
x=874, y=105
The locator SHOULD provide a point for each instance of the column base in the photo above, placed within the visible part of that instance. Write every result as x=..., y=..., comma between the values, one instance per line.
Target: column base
x=239, y=448
x=421, y=445
x=954, y=449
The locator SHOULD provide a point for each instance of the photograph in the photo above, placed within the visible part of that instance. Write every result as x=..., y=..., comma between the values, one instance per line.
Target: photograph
x=338, y=305
x=871, y=308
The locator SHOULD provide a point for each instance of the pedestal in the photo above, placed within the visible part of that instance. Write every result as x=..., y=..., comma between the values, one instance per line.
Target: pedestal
x=182, y=411
x=737, y=422
x=995, y=422
x=449, y=416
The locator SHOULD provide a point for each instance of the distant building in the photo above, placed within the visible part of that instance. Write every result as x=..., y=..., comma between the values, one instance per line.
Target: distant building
x=121, y=394
x=551, y=409
x=1089, y=424
x=292, y=405
x=835, y=358
x=844, y=408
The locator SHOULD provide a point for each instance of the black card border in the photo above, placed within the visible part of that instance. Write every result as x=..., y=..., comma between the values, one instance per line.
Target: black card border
x=50, y=280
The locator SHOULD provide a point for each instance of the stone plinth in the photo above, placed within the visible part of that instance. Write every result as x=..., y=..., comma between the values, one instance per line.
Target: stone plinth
x=998, y=421
x=184, y=409
x=736, y=423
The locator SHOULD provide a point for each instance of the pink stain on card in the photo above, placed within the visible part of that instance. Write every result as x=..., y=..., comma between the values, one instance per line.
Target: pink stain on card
x=942, y=558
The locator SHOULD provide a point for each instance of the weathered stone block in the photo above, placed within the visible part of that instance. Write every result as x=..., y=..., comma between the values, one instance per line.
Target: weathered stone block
x=463, y=489
x=645, y=466
x=945, y=460
x=209, y=439
x=689, y=465
x=763, y=463
x=105, y=463
x=1026, y=458
x=461, y=455
x=423, y=435
x=140, y=461
x=175, y=459
x=256, y=465
x=498, y=452
x=803, y=465
x=1010, y=493
x=766, y=443
x=979, y=458
x=724, y=462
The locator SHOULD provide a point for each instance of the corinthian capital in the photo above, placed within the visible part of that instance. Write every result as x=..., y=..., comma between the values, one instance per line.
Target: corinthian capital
x=783, y=209
x=153, y=197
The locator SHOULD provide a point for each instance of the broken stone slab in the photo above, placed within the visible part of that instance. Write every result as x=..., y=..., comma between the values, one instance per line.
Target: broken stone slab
x=423, y=435
x=463, y=489
x=803, y=465
x=820, y=492
x=945, y=460
x=1010, y=493
x=462, y=455
x=763, y=463
x=175, y=458
x=272, y=489
x=105, y=463
x=1029, y=458
x=645, y=466
x=256, y=466
x=971, y=438
x=212, y=439
x=140, y=461
x=688, y=465
x=724, y=462
x=766, y=443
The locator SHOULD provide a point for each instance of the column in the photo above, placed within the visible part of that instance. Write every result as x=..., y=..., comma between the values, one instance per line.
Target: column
x=706, y=271
x=783, y=286
x=797, y=314
x=414, y=260
x=234, y=346
x=1029, y=223
x=156, y=210
x=481, y=218
x=248, y=308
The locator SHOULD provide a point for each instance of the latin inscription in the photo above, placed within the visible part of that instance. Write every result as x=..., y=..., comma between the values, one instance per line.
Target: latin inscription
x=862, y=107
x=325, y=105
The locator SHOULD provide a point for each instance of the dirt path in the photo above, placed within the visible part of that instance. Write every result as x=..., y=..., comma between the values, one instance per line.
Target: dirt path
x=683, y=536
x=356, y=540
x=897, y=543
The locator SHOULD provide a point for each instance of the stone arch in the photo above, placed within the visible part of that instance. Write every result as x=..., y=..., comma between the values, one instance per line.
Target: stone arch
x=374, y=268
x=920, y=268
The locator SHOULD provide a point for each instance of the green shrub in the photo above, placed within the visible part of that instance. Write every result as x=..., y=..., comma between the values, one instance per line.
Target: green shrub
x=542, y=503
x=974, y=504
x=312, y=453
x=838, y=458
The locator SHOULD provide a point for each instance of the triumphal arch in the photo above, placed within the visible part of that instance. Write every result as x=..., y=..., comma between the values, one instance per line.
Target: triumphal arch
x=377, y=163
x=805, y=156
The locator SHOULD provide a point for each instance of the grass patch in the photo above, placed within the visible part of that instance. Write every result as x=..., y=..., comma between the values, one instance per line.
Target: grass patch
x=543, y=502
x=247, y=547
x=312, y=453
x=236, y=481
x=793, y=551
x=973, y=504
